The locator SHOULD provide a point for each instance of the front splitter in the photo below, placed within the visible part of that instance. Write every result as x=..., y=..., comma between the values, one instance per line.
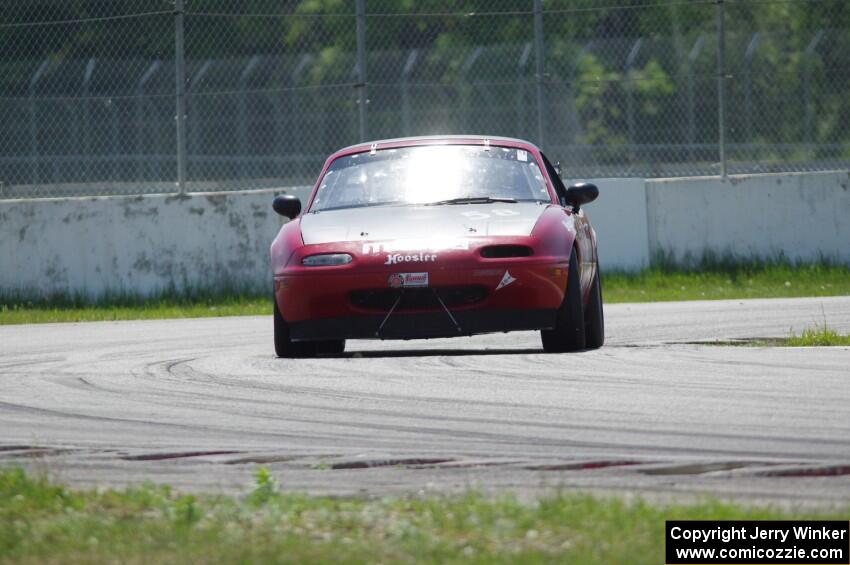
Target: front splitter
x=423, y=325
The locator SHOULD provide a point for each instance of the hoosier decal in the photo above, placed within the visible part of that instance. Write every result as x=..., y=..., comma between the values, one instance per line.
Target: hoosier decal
x=395, y=258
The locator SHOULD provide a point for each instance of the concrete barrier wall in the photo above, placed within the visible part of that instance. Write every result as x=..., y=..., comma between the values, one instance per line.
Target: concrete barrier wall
x=147, y=244
x=802, y=216
x=139, y=245
x=619, y=218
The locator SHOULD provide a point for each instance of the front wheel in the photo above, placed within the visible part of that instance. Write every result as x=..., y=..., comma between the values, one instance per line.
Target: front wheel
x=568, y=333
x=283, y=345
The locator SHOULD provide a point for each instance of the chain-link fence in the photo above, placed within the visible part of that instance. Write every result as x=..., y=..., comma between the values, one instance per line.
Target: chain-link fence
x=136, y=96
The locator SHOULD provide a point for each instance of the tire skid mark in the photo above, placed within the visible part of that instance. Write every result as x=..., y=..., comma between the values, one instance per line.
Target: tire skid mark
x=408, y=415
x=705, y=467
x=486, y=437
x=171, y=366
x=139, y=395
x=75, y=382
x=520, y=440
x=811, y=471
x=393, y=462
x=34, y=452
x=182, y=426
x=320, y=392
x=175, y=455
x=358, y=395
x=31, y=362
x=586, y=465
x=264, y=459
x=19, y=447
x=252, y=383
x=471, y=464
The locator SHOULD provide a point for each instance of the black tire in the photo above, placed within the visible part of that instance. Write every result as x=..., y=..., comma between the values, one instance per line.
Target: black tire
x=568, y=333
x=594, y=317
x=283, y=345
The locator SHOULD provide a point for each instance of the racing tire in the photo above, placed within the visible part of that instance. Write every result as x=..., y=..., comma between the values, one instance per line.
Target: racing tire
x=594, y=317
x=283, y=345
x=568, y=333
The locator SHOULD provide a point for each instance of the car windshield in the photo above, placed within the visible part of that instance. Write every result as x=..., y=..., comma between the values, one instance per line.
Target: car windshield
x=433, y=174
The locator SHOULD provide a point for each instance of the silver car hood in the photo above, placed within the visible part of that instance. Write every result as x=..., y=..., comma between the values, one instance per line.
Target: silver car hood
x=381, y=223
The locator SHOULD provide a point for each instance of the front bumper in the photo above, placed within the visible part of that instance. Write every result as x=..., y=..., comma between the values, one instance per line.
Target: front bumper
x=483, y=295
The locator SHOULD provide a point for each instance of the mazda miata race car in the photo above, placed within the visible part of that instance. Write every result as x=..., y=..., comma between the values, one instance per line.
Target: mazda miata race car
x=433, y=237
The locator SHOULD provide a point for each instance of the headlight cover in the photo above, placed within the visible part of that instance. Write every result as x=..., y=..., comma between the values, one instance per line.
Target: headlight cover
x=326, y=260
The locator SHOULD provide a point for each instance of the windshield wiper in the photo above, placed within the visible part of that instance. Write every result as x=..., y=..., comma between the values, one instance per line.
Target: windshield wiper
x=362, y=205
x=475, y=200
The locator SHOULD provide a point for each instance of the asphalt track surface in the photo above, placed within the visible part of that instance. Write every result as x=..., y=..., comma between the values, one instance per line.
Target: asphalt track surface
x=202, y=403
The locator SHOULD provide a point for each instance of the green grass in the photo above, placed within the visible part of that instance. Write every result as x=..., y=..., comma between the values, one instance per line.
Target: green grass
x=16, y=310
x=817, y=336
x=709, y=279
x=719, y=279
x=43, y=522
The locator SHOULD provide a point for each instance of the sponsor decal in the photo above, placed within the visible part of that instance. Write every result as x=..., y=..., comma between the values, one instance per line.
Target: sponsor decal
x=396, y=258
x=506, y=280
x=406, y=280
x=424, y=245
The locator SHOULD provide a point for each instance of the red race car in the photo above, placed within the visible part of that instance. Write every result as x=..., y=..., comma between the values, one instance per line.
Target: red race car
x=436, y=237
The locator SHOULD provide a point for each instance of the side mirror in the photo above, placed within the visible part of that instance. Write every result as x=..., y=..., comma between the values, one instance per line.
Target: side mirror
x=578, y=195
x=287, y=206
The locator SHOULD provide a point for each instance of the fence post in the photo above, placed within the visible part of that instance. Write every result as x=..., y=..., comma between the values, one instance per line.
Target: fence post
x=180, y=93
x=539, y=68
x=721, y=86
x=362, y=96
